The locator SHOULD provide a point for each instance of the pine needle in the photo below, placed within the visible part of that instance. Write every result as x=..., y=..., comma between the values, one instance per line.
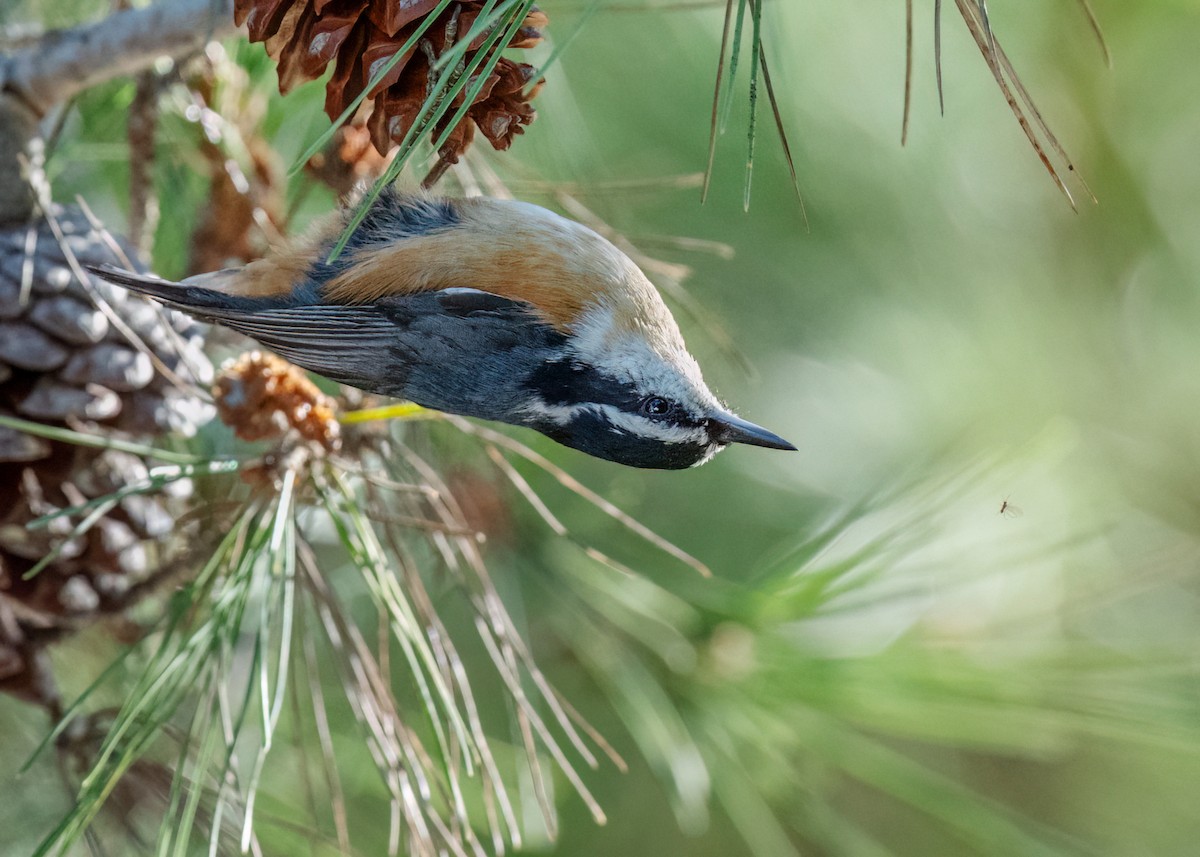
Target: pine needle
x=985, y=41
x=937, y=54
x=1094, y=23
x=751, y=131
x=713, y=130
x=783, y=138
x=99, y=511
x=158, y=478
x=908, y=69
x=97, y=441
x=1051, y=139
x=326, y=136
x=734, y=57
x=506, y=19
x=400, y=411
x=986, y=24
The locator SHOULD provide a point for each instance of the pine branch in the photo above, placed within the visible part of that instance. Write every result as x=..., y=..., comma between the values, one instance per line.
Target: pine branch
x=64, y=63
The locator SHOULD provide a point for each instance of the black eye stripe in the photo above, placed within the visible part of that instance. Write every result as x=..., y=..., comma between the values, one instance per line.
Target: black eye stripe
x=567, y=383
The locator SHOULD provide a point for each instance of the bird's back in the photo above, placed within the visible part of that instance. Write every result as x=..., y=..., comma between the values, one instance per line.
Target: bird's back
x=412, y=243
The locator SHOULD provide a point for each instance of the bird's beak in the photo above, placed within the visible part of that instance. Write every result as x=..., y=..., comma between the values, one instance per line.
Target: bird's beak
x=724, y=427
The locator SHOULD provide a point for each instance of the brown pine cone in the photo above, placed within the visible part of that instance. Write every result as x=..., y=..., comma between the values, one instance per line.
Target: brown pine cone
x=262, y=397
x=64, y=363
x=305, y=36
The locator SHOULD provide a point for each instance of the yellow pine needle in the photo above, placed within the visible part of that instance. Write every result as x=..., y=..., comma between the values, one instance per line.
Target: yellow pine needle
x=401, y=411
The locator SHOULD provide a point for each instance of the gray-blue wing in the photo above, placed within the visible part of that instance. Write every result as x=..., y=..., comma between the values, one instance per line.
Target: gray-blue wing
x=348, y=344
x=438, y=348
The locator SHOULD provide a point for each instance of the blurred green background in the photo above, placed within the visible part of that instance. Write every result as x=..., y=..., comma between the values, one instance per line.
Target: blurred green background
x=883, y=664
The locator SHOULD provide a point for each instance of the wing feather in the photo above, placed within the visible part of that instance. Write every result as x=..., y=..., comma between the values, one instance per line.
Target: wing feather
x=349, y=344
x=372, y=346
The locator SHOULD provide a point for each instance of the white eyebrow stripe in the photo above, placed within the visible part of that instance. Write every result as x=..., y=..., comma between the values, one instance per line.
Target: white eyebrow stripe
x=632, y=423
x=643, y=427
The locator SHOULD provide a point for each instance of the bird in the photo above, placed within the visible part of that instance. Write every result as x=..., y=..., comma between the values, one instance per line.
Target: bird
x=491, y=308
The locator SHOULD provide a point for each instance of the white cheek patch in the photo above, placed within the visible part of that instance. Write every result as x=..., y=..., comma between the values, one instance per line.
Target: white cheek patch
x=622, y=421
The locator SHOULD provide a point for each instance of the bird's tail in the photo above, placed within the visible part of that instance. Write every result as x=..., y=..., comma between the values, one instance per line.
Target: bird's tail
x=194, y=299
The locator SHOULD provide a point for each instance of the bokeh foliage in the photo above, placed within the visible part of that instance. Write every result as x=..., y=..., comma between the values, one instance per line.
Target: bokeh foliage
x=884, y=663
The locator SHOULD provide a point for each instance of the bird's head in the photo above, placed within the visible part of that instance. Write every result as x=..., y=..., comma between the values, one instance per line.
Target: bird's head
x=631, y=393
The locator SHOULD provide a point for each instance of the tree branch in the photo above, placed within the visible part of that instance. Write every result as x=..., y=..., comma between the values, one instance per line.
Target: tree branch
x=65, y=62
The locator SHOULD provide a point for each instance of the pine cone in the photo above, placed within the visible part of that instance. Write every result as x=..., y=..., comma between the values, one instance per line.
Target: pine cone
x=305, y=36
x=262, y=397
x=62, y=362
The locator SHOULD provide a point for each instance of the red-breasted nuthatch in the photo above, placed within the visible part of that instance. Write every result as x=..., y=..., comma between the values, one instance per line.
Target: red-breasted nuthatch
x=484, y=307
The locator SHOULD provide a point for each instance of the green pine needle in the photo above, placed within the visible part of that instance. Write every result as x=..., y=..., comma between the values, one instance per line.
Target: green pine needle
x=98, y=441
x=436, y=106
x=324, y=139
x=722, y=105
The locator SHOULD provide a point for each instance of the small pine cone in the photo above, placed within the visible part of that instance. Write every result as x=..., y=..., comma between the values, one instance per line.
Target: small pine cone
x=263, y=397
x=63, y=362
x=358, y=36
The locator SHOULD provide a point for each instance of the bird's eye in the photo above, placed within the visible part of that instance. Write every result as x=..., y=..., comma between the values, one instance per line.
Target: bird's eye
x=655, y=406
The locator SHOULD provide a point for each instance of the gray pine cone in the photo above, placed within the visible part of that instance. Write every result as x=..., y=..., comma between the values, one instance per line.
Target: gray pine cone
x=64, y=361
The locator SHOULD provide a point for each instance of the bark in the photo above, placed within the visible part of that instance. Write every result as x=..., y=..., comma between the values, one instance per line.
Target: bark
x=18, y=124
x=65, y=62
x=61, y=64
